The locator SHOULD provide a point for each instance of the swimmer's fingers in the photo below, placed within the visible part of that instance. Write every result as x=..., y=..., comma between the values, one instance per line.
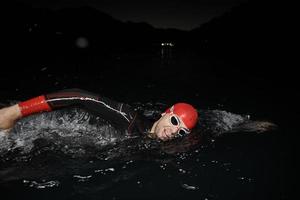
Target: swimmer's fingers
x=9, y=116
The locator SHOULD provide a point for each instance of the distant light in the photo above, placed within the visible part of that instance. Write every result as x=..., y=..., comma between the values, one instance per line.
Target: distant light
x=170, y=44
x=82, y=42
x=44, y=68
x=32, y=27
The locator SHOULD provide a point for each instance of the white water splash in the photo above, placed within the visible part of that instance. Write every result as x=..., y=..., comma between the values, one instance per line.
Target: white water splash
x=68, y=128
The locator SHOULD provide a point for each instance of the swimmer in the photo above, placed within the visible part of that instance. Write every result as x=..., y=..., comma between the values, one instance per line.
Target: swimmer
x=176, y=121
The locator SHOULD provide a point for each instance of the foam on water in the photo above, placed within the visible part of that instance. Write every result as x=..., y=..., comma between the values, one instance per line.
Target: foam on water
x=67, y=128
x=75, y=129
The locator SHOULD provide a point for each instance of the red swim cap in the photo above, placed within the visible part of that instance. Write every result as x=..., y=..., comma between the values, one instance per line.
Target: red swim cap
x=187, y=113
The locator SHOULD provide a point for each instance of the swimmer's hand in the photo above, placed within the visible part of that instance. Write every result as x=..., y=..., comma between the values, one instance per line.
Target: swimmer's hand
x=9, y=116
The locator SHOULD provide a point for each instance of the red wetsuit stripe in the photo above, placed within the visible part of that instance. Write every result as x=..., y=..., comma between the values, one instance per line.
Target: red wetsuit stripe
x=35, y=105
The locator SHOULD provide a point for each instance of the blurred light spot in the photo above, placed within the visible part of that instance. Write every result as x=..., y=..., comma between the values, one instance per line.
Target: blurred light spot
x=168, y=44
x=82, y=42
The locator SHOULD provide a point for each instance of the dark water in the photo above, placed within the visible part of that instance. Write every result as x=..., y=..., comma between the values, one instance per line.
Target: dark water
x=68, y=155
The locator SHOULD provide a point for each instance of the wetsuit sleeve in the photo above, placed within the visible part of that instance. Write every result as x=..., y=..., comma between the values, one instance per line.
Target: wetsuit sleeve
x=119, y=114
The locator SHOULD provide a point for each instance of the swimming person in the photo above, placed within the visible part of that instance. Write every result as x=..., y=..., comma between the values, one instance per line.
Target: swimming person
x=176, y=121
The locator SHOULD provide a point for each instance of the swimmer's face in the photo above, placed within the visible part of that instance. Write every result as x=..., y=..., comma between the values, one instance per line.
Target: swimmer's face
x=168, y=127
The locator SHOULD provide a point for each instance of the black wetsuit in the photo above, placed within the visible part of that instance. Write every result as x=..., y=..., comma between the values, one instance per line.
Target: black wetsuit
x=120, y=115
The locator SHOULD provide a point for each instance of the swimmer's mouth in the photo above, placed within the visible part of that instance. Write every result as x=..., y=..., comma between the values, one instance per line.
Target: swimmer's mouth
x=165, y=136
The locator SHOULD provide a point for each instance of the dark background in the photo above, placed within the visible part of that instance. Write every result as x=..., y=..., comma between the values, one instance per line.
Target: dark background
x=237, y=53
x=238, y=59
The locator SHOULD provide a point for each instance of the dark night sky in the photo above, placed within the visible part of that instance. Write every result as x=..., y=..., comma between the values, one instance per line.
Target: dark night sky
x=180, y=14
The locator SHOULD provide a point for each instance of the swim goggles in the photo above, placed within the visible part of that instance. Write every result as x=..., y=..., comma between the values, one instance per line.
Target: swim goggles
x=174, y=120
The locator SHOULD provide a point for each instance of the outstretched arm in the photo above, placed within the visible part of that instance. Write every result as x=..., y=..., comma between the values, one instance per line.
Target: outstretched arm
x=112, y=111
x=9, y=115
